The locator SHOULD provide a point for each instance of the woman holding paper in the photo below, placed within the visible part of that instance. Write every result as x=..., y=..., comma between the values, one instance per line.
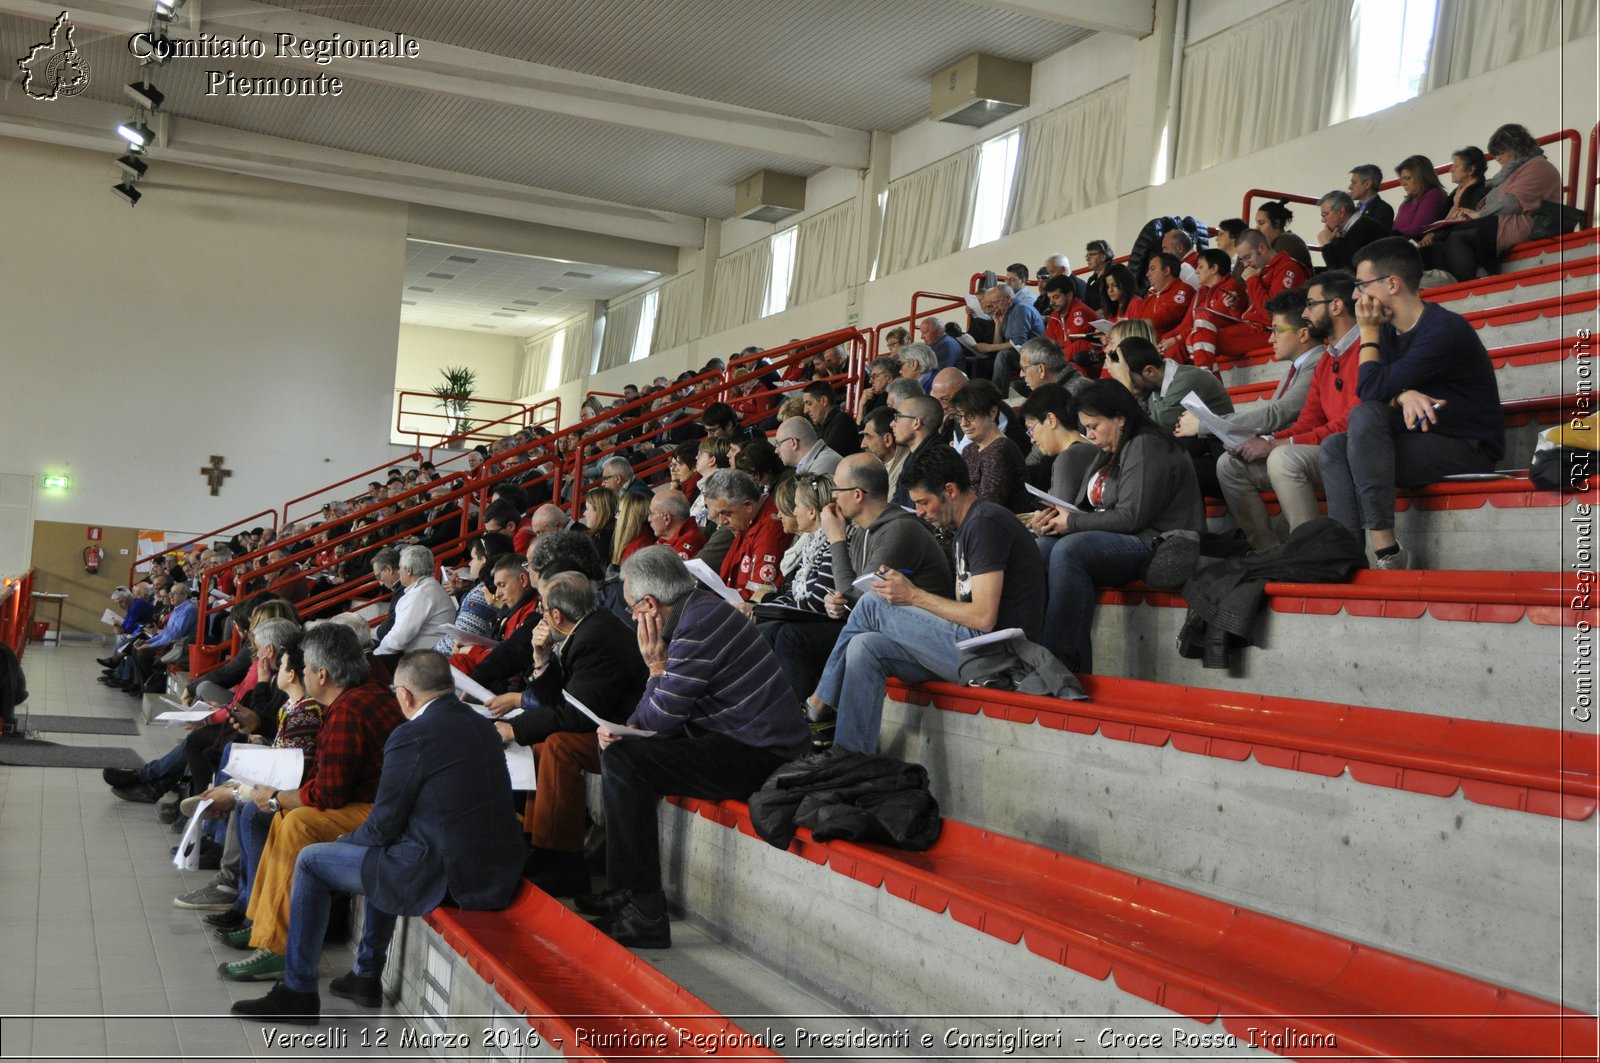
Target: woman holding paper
x=1140, y=487
x=478, y=614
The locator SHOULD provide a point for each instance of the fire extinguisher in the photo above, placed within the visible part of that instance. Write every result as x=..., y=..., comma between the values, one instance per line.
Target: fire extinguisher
x=92, y=556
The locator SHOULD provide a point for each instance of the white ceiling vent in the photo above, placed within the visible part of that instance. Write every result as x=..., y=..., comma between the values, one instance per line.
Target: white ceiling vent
x=980, y=89
x=769, y=196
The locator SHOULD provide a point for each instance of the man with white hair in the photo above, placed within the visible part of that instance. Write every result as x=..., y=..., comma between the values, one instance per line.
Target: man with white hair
x=800, y=449
x=1180, y=245
x=1057, y=265
x=616, y=472
x=944, y=345
x=1015, y=322
x=669, y=519
x=424, y=608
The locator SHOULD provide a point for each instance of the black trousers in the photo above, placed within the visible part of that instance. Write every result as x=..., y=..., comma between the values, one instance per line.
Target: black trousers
x=636, y=772
x=802, y=648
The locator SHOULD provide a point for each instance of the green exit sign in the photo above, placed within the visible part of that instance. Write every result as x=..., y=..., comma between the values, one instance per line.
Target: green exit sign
x=60, y=483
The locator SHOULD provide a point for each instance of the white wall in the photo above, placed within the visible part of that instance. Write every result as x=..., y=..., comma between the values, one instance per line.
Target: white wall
x=223, y=315
x=422, y=351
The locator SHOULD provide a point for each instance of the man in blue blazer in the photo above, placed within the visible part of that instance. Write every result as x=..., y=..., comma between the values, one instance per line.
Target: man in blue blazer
x=441, y=826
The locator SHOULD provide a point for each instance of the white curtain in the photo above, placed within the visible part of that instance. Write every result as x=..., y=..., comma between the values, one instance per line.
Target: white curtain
x=1270, y=79
x=1472, y=37
x=1071, y=158
x=577, y=348
x=928, y=212
x=536, y=351
x=675, y=313
x=737, y=286
x=622, y=327
x=824, y=259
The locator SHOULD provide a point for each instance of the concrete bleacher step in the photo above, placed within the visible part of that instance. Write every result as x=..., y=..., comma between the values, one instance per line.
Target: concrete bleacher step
x=1076, y=952
x=1477, y=645
x=1563, y=248
x=1521, y=285
x=1350, y=819
x=1497, y=524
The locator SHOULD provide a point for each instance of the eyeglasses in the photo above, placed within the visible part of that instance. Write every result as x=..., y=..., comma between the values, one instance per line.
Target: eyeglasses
x=1360, y=286
x=1319, y=302
x=898, y=416
x=776, y=443
x=1282, y=330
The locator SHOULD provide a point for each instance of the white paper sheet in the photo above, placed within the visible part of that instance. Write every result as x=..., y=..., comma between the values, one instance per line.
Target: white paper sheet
x=992, y=637
x=108, y=617
x=1231, y=437
x=1101, y=325
x=865, y=582
x=465, y=684
x=276, y=769
x=702, y=572
x=604, y=724
x=468, y=638
x=520, y=763
x=187, y=856
x=1052, y=499
x=183, y=716
x=486, y=714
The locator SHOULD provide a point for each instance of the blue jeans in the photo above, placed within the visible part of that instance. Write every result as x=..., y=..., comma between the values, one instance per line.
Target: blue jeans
x=320, y=871
x=1074, y=565
x=881, y=640
x=252, y=825
x=169, y=764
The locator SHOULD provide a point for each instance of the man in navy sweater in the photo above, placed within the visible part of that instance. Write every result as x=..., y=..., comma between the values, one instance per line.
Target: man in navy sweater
x=1430, y=407
x=723, y=717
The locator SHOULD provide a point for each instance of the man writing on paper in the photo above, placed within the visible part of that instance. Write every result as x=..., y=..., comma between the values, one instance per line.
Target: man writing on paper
x=441, y=823
x=587, y=652
x=724, y=719
x=899, y=629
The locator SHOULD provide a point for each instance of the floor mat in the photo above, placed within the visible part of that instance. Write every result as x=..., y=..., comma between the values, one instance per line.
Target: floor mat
x=31, y=753
x=81, y=725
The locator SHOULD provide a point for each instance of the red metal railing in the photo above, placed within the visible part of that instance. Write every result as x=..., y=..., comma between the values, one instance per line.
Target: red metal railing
x=224, y=532
x=1592, y=180
x=16, y=611
x=415, y=455
x=479, y=430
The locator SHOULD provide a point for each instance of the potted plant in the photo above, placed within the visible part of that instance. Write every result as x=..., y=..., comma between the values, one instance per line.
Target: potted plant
x=455, y=395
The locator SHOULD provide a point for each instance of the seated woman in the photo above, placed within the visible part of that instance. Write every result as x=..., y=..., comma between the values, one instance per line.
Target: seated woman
x=803, y=645
x=1140, y=485
x=1121, y=294
x=633, y=527
x=681, y=470
x=1425, y=201
x=1467, y=168
x=1505, y=216
x=1051, y=417
x=1272, y=221
x=478, y=613
x=995, y=464
x=600, y=518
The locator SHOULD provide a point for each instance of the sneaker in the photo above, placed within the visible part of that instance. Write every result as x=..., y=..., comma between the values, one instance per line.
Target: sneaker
x=208, y=898
x=282, y=1004
x=1398, y=561
x=119, y=776
x=227, y=919
x=366, y=990
x=262, y=965
x=822, y=734
x=238, y=937
x=167, y=807
x=187, y=806
x=140, y=793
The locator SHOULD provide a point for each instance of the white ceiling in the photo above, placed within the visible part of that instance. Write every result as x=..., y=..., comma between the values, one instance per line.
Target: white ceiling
x=506, y=295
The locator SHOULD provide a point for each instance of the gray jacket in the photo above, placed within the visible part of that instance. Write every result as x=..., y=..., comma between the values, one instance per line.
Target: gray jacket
x=1280, y=411
x=899, y=540
x=1154, y=491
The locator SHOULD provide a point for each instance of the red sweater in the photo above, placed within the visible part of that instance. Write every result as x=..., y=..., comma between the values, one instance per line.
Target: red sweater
x=1328, y=406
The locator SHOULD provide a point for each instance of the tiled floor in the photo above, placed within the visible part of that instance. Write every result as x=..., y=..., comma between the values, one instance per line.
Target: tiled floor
x=95, y=962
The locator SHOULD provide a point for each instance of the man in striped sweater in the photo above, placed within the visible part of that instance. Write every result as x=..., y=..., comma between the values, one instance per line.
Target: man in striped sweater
x=723, y=717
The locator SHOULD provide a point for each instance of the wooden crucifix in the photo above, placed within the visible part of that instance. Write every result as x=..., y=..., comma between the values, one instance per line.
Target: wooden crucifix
x=215, y=473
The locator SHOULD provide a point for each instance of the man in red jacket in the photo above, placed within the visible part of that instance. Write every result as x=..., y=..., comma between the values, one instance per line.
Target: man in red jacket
x=734, y=501
x=1266, y=273
x=1071, y=323
x=1215, y=326
x=1168, y=302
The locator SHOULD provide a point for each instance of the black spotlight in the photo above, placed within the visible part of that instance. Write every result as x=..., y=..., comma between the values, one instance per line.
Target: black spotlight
x=126, y=191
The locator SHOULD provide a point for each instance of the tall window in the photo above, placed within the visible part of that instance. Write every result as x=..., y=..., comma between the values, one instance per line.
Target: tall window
x=647, y=325
x=776, y=300
x=997, y=170
x=1393, y=38
x=552, y=361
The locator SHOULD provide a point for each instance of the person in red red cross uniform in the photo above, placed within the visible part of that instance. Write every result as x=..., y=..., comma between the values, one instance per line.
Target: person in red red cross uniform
x=1071, y=324
x=735, y=501
x=1215, y=328
x=1267, y=273
x=1167, y=305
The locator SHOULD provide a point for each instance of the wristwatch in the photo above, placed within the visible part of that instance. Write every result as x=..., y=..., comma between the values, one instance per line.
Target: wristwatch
x=272, y=802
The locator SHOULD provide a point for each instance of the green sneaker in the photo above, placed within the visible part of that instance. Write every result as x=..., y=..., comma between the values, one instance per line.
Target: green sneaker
x=262, y=965
x=238, y=937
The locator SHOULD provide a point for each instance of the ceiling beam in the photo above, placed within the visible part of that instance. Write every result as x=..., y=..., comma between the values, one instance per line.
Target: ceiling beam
x=447, y=69
x=84, y=123
x=1126, y=18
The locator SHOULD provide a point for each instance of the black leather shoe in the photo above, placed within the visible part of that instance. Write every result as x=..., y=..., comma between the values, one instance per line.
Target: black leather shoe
x=107, y=662
x=366, y=990
x=608, y=902
x=558, y=874
x=632, y=929
x=119, y=776
x=227, y=919
x=140, y=793
x=282, y=1004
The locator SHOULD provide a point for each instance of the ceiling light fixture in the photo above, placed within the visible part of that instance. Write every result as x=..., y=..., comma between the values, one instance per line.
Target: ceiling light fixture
x=136, y=133
x=127, y=192
x=132, y=168
x=167, y=10
x=145, y=95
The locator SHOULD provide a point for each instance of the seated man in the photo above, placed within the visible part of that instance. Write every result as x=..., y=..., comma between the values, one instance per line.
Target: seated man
x=1016, y=322
x=880, y=374
x=423, y=609
x=1160, y=384
x=1167, y=305
x=724, y=719
x=877, y=439
x=145, y=670
x=734, y=501
x=917, y=425
x=833, y=426
x=1285, y=462
x=1071, y=326
x=669, y=519
x=357, y=717
x=596, y=661
x=1215, y=326
x=1364, y=182
x=900, y=629
x=505, y=518
x=1098, y=257
x=1345, y=232
x=1266, y=273
x=1180, y=245
x=1430, y=405
x=513, y=587
x=1292, y=343
x=617, y=474
x=944, y=346
x=441, y=823
x=798, y=447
